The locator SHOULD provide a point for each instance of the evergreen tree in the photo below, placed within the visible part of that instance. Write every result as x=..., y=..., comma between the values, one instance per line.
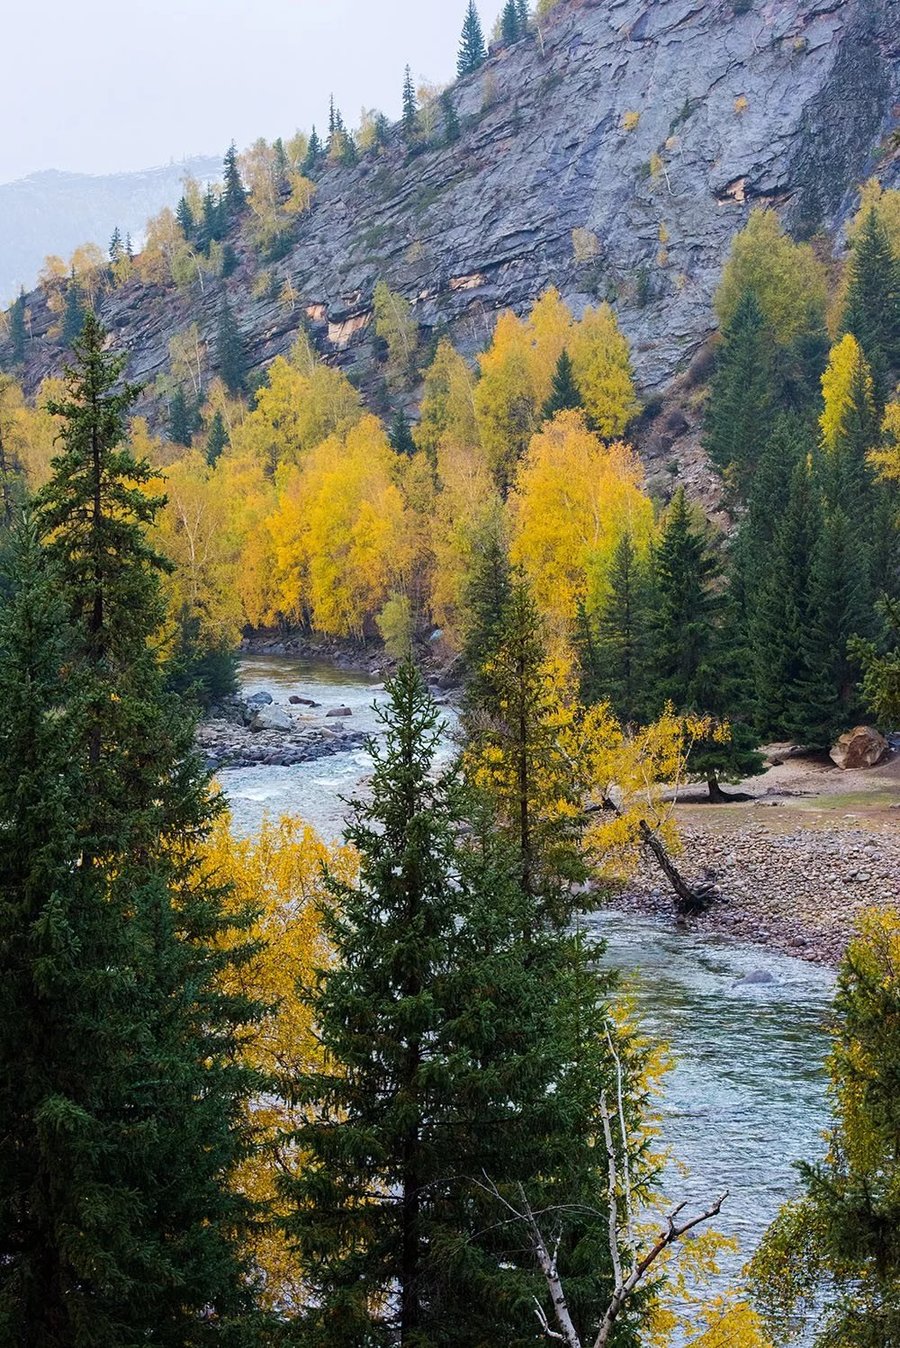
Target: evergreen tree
x=686, y=606
x=234, y=195
x=510, y=23
x=122, y=1100
x=313, y=154
x=472, y=51
x=73, y=313
x=790, y=440
x=486, y=597
x=825, y=700
x=129, y=249
x=216, y=440
x=281, y=165
x=181, y=419
x=451, y=118
x=564, y=392
x=115, y=246
x=462, y=1039
x=872, y=309
x=230, y=351
x=185, y=217
x=740, y=408
x=522, y=11
x=410, y=118
x=401, y=438
x=621, y=637
x=782, y=612
x=17, y=328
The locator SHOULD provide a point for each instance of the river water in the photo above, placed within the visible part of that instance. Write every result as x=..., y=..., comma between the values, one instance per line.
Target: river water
x=745, y=1098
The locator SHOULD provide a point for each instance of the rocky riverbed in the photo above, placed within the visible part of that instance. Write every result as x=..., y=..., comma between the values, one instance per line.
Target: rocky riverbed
x=254, y=731
x=798, y=885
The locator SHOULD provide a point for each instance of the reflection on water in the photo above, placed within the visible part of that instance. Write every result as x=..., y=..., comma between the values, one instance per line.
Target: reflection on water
x=746, y=1097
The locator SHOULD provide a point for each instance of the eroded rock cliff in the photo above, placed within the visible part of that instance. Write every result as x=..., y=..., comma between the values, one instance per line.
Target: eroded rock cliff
x=614, y=153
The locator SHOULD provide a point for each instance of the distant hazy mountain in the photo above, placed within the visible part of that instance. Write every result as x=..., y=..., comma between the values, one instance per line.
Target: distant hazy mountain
x=53, y=212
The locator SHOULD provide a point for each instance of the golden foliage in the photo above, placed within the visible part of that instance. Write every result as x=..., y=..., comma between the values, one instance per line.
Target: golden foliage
x=574, y=498
x=447, y=415
x=786, y=277
x=887, y=459
x=887, y=207
x=602, y=361
x=846, y=366
x=279, y=875
x=341, y=531
x=295, y=410
x=630, y=121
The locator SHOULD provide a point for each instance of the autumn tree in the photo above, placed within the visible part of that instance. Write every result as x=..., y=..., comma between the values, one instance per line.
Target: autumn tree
x=122, y=1097
x=574, y=499
x=601, y=359
x=836, y=1246
x=472, y=51
x=396, y=326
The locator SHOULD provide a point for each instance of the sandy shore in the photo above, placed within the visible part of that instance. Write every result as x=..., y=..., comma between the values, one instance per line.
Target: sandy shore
x=795, y=865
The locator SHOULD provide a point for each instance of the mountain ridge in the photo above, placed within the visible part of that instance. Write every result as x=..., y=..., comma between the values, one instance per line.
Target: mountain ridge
x=613, y=153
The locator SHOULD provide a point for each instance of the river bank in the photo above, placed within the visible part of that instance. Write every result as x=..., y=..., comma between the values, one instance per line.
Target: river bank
x=795, y=865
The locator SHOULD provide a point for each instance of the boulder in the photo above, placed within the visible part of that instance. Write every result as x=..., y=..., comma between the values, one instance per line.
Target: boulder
x=296, y=701
x=339, y=711
x=861, y=747
x=260, y=699
x=271, y=718
x=757, y=976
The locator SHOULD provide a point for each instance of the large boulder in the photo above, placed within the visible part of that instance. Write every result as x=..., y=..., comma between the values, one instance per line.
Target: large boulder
x=861, y=747
x=271, y=718
x=260, y=699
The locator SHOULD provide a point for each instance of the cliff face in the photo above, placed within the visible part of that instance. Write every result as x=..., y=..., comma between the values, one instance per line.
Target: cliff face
x=614, y=154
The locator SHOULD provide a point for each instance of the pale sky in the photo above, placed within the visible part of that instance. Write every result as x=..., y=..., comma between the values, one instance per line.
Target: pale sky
x=102, y=85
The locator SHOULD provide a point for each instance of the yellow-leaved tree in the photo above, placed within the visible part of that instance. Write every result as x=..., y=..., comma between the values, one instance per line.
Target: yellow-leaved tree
x=447, y=414
x=278, y=875
x=848, y=396
x=341, y=532
x=786, y=277
x=574, y=499
x=601, y=359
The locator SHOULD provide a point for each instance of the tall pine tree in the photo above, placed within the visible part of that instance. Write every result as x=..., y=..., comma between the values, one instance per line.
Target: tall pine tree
x=234, y=194
x=126, y=1097
x=740, y=405
x=872, y=308
x=410, y=116
x=230, y=351
x=565, y=395
x=472, y=51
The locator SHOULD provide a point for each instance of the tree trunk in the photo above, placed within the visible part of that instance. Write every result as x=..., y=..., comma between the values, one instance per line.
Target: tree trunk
x=689, y=901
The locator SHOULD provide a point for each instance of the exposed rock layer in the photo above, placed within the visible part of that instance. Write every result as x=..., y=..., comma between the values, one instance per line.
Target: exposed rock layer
x=791, y=104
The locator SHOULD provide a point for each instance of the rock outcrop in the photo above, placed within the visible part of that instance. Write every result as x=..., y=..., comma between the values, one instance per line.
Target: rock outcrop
x=614, y=154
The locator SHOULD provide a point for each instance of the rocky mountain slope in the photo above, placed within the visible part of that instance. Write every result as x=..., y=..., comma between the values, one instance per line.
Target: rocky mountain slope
x=54, y=212
x=614, y=153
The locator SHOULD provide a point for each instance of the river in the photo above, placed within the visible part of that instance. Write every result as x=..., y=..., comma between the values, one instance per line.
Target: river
x=745, y=1098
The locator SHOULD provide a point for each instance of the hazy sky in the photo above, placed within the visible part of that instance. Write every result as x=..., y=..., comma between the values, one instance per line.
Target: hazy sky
x=103, y=85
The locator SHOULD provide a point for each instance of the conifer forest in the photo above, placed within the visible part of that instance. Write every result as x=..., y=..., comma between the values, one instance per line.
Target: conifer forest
x=450, y=703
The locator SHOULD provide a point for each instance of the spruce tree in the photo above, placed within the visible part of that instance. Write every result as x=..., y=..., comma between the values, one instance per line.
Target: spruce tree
x=401, y=438
x=73, y=313
x=234, y=195
x=216, y=440
x=472, y=51
x=686, y=606
x=122, y=1086
x=185, y=217
x=510, y=26
x=522, y=11
x=486, y=596
x=825, y=701
x=410, y=117
x=230, y=351
x=451, y=118
x=622, y=636
x=872, y=308
x=462, y=1039
x=116, y=250
x=740, y=407
x=565, y=395
x=17, y=328
x=782, y=611
x=313, y=154
x=181, y=419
